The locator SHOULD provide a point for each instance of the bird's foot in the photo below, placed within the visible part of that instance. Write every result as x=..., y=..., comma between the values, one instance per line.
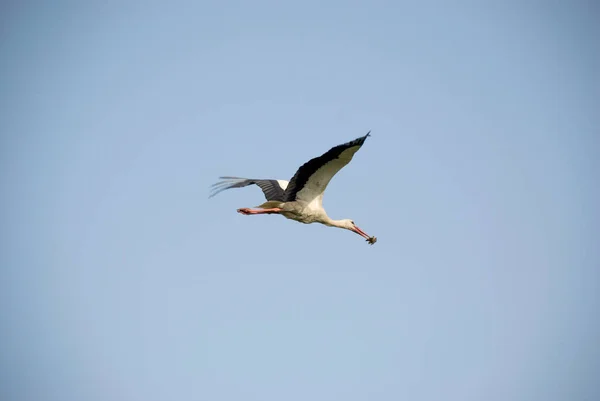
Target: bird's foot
x=245, y=211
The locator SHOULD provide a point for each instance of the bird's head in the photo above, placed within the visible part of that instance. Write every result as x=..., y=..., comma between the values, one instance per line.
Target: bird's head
x=349, y=225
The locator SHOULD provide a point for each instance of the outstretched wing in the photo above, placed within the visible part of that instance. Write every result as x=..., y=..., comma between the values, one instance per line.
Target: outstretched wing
x=273, y=189
x=311, y=180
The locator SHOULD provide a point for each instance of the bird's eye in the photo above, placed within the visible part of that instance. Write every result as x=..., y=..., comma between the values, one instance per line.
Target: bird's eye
x=352, y=222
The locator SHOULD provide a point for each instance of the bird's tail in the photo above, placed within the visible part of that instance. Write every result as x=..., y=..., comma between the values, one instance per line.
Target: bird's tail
x=270, y=205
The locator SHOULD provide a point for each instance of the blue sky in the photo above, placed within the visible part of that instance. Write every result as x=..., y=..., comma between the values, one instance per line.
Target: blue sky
x=121, y=280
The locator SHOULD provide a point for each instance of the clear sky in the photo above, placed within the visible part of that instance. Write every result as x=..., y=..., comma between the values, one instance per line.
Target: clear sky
x=121, y=280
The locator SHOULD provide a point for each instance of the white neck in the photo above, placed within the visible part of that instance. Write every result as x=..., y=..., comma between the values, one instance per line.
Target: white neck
x=333, y=223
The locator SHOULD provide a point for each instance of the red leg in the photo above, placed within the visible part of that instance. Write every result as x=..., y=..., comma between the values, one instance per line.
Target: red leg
x=246, y=211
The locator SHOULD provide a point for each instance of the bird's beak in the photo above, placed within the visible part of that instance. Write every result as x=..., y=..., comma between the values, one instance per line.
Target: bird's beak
x=361, y=232
x=370, y=240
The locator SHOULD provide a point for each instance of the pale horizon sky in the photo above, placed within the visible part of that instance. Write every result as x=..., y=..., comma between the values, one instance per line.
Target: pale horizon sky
x=121, y=280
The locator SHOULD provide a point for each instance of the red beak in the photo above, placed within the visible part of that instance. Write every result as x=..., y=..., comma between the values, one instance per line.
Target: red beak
x=361, y=232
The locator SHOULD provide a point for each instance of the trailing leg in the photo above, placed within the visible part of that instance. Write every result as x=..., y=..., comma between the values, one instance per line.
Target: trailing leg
x=246, y=211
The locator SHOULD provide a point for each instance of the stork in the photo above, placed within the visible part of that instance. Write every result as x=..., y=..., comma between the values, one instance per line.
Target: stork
x=301, y=198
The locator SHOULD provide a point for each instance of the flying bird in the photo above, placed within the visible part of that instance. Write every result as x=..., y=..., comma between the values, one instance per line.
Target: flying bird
x=301, y=198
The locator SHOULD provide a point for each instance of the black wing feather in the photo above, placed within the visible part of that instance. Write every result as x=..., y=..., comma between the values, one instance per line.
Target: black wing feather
x=307, y=169
x=270, y=188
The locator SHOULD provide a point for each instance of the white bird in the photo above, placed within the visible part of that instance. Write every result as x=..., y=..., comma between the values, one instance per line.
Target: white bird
x=301, y=199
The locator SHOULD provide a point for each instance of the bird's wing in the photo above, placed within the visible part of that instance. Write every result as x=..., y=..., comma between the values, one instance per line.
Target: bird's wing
x=311, y=180
x=273, y=189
